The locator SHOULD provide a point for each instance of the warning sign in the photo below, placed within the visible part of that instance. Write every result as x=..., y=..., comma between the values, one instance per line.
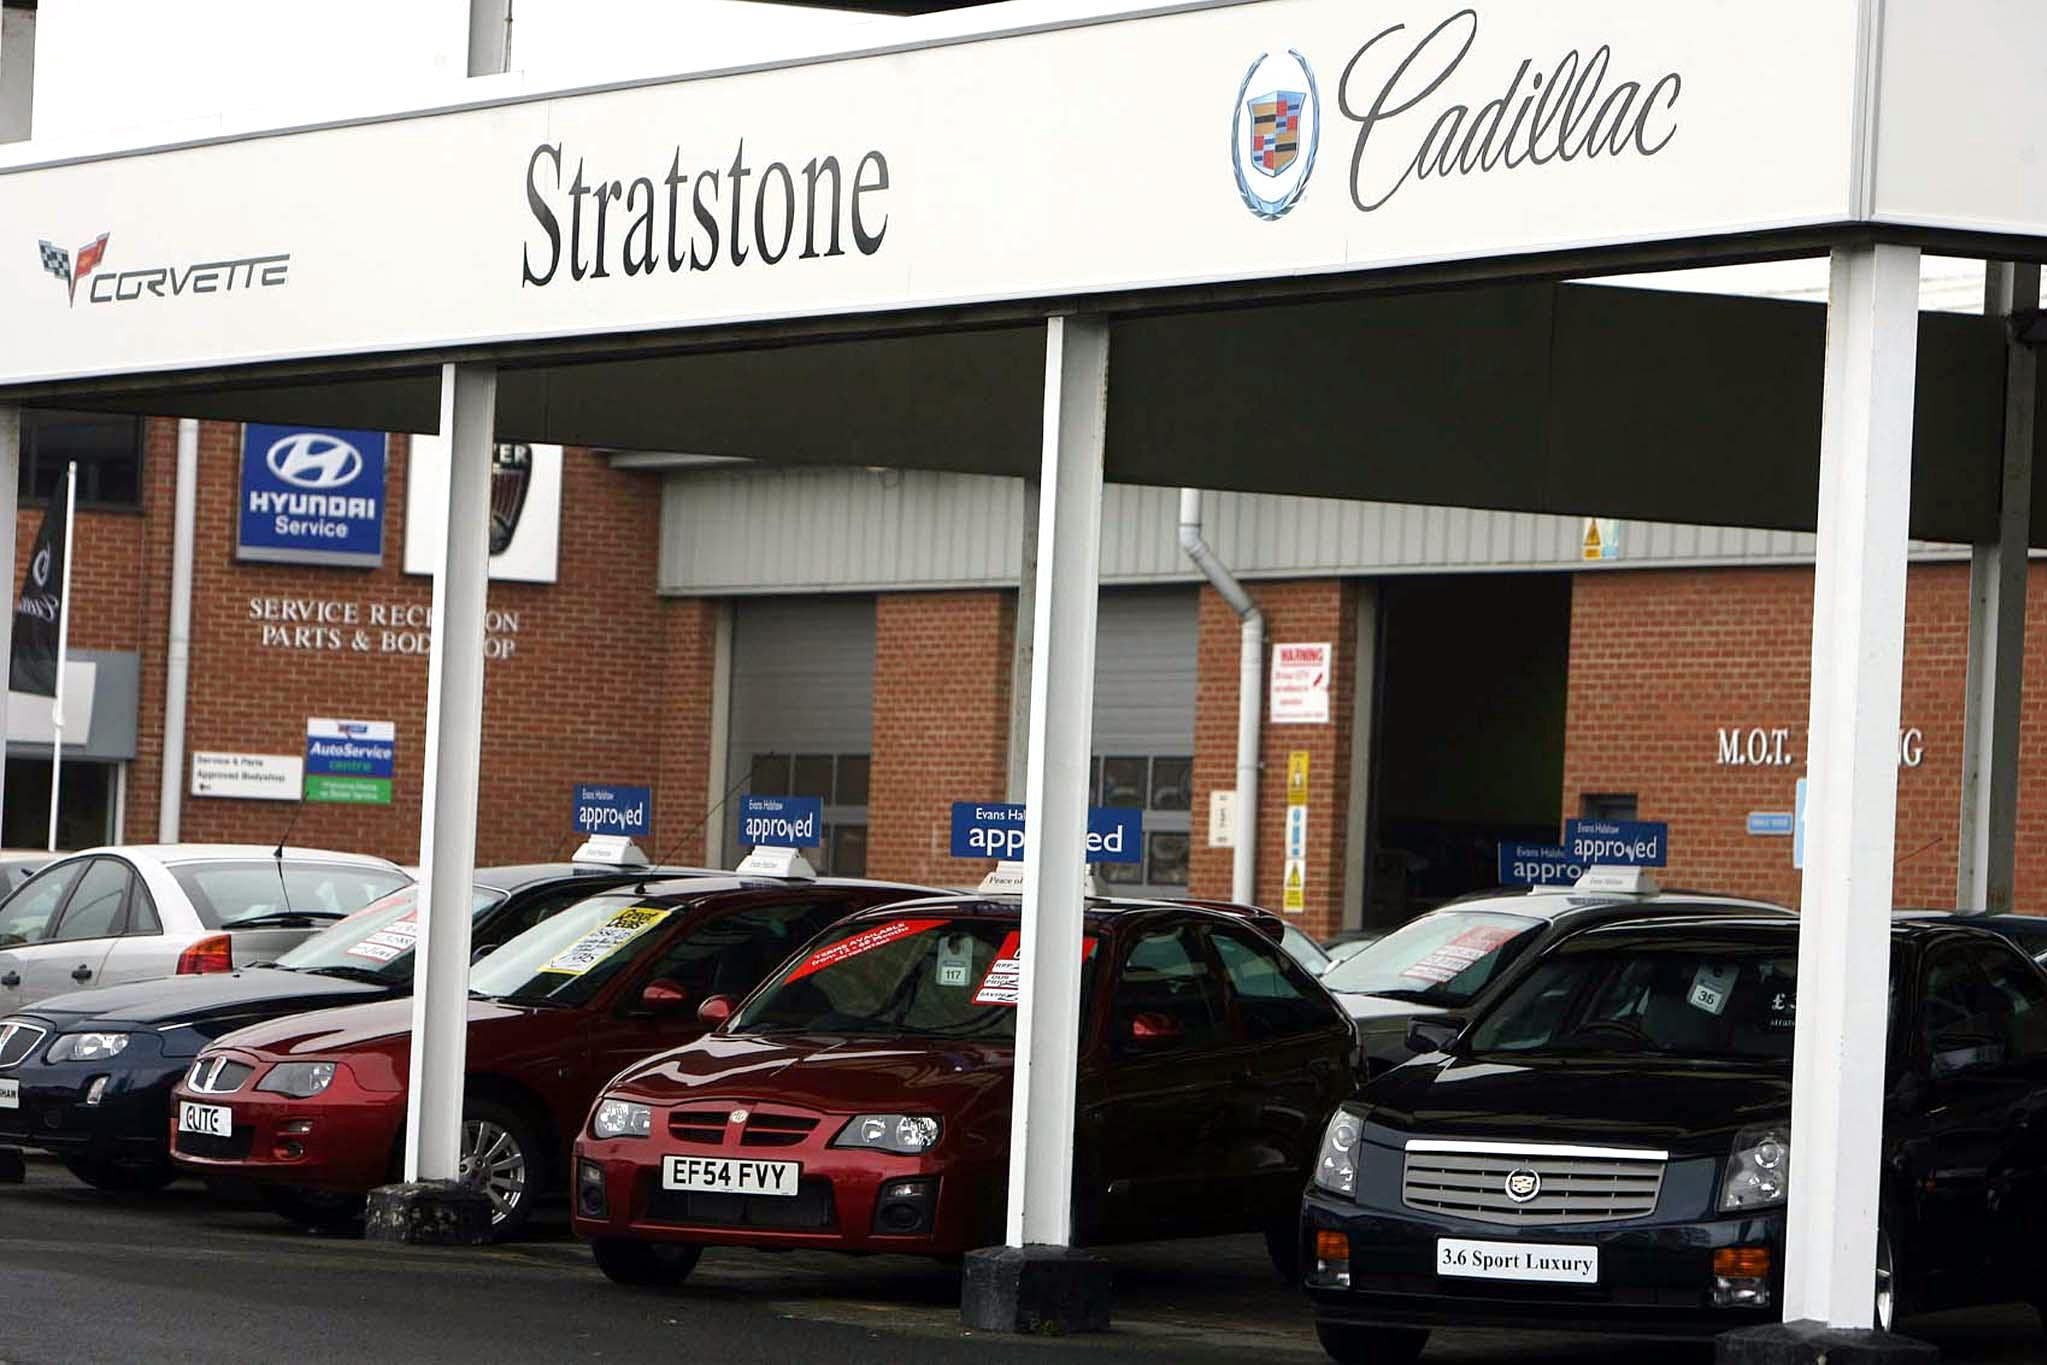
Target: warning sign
x=1294, y=897
x=1297, y=778
x=1300, y=683
x=1602, y=539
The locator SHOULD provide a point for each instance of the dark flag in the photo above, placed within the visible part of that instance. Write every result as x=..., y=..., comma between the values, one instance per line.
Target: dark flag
x=39, y=609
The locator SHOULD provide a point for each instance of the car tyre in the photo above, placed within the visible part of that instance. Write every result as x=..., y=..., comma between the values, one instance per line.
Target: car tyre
x=112, y=1177
x=502, y=1156
x=322, y=1212
x=1348, y=1345
x=645, y=1265
x=1283, y=1246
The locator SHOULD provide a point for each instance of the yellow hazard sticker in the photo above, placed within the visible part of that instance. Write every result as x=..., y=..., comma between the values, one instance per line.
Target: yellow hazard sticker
x=606, y=939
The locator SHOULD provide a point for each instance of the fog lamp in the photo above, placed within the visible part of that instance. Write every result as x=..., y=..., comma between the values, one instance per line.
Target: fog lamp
x=296, y=1127
x=97, y=1090
x=1332, y=1260
x=590, y=1201
x=1741, y=1277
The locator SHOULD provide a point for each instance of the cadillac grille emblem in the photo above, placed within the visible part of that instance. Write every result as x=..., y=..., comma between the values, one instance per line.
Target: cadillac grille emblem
x=511, y=470
x=1523, y=1185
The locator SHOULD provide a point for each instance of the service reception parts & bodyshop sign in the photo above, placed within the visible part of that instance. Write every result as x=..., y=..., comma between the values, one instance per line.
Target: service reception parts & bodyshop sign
x=350, y=761
x=312, y=495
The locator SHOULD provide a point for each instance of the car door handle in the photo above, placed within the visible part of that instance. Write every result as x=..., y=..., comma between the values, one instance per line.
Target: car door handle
x=82, y=973
x=11, y=979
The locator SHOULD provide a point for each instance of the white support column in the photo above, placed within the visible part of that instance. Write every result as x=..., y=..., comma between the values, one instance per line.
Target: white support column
x=454, y=745
x=1997, y=627
x=10, y=488
x=170, y=805
x=1062, y=712
x=1858, y=659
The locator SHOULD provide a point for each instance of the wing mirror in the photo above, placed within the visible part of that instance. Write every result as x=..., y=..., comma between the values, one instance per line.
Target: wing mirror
x=1149, y=1028
x=1954, y=1053
x=715, y=1010
x=663, y=997
x=1433, y=1032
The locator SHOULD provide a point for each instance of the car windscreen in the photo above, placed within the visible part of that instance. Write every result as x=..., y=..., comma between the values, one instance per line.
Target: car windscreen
x=1304, y=950
x=565, y=960
x=376, y=942
x=915, y=976
x=1445, y=958
x=246, y=892
x=1699, y=1001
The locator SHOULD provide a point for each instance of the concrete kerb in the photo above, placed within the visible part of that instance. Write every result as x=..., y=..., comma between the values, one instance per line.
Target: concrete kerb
x=429, y=1213
x=1035, y=1291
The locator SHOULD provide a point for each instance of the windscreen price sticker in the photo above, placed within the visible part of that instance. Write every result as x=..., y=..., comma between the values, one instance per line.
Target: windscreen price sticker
x=606, y=939
x=1003, y=985
x=401, y=935
x=1452, y=959
x=866, y=941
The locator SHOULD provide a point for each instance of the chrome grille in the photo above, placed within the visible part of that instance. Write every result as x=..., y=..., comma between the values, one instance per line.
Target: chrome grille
x=218, y=1075
x=1531, y=1183
x=740, y=1124
x=17, y=1040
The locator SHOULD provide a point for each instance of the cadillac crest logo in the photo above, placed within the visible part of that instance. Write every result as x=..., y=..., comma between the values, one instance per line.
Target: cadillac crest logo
x=1523, y=1185
x=1274, y=134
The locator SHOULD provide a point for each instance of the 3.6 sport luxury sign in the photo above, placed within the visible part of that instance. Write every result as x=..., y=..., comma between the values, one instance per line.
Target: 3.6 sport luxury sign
x=312, y=495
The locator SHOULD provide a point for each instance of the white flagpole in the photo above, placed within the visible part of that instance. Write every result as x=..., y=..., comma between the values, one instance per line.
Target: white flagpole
x=63, y=644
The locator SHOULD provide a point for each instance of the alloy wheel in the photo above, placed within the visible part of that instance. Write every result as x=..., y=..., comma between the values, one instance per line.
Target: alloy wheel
x=1886, y=1292
x=494, y=1162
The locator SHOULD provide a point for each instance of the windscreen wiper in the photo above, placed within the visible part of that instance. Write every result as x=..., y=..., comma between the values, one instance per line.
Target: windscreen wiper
x=346, y=973
x=284, y=919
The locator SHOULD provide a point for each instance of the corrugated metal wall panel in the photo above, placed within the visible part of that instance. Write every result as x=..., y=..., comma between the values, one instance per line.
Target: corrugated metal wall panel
x=744, y=529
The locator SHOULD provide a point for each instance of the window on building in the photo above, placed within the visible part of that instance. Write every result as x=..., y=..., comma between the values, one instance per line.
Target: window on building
x=107, y=447
x=1162, y=786
x=1608, y=806
x=838, y=780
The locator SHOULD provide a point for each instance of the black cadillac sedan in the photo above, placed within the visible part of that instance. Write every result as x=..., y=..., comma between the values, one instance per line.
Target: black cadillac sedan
x=1608, y=1147
x=88, y=1076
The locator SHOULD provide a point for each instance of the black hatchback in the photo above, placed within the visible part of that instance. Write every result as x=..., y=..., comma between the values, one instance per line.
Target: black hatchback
x=1608, y=1146
x=88, y=1076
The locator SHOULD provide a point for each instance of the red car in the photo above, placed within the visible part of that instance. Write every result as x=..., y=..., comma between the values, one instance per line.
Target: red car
x=312, y=1107
x=860, y=1100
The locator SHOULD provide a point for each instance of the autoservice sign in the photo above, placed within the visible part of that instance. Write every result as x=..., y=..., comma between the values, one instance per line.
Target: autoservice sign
x=350, y=761
x=312, y=495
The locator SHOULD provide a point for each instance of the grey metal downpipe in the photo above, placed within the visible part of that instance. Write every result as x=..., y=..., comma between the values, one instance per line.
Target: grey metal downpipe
x=178, y=659
x=1250, y=693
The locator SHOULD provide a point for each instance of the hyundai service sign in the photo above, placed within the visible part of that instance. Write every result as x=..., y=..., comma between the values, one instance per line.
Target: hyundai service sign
x=1618, y=843
x=606, y=808
x=312, y=495
x=995, y=829
x=350, y=761
x=781, y=821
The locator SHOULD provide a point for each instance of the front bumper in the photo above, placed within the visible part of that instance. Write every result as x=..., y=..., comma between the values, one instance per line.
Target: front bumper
x=125, y=1126
x=1656, y=1276
x=845, y=1201
x=339, y=1141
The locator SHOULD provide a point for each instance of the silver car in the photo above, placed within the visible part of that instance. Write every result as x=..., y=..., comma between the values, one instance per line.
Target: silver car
x=136, y=911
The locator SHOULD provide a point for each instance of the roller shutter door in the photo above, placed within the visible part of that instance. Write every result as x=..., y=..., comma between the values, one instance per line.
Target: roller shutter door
x=1147, y=642
x=803, y=713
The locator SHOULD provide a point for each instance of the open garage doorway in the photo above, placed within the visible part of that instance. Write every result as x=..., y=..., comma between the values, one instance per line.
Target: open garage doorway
x=1470, y=732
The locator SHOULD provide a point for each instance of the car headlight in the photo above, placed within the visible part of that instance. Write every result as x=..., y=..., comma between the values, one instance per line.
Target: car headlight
x=1759, y=1171
x=300, y=1080
x=905, y=1133
x=88, y=1047
x=1336, y=1166
x=621, y=1118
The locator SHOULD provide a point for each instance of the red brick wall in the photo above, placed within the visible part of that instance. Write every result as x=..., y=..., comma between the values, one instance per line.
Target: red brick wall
x=941, y=726
x=1307, y=610
x=604, y=682
x=1662, y=660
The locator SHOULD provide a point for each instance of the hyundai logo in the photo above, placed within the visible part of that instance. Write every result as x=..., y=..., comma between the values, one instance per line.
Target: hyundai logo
x=313, y=459
x=1523, y=1185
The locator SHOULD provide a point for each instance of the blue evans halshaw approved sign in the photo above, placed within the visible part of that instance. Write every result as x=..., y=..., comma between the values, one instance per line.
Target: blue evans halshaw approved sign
x=1617, y=843
x=312, y=495
x=350, y=761
x=781, y=821
x=995, y=829
x=607, y=808
x=1538, y=865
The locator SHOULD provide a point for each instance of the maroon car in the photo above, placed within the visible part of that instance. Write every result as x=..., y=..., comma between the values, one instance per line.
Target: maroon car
x=860, y=1100
x=312, y=1107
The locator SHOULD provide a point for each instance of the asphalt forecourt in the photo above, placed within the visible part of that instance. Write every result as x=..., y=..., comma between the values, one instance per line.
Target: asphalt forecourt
x=187, y=1277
